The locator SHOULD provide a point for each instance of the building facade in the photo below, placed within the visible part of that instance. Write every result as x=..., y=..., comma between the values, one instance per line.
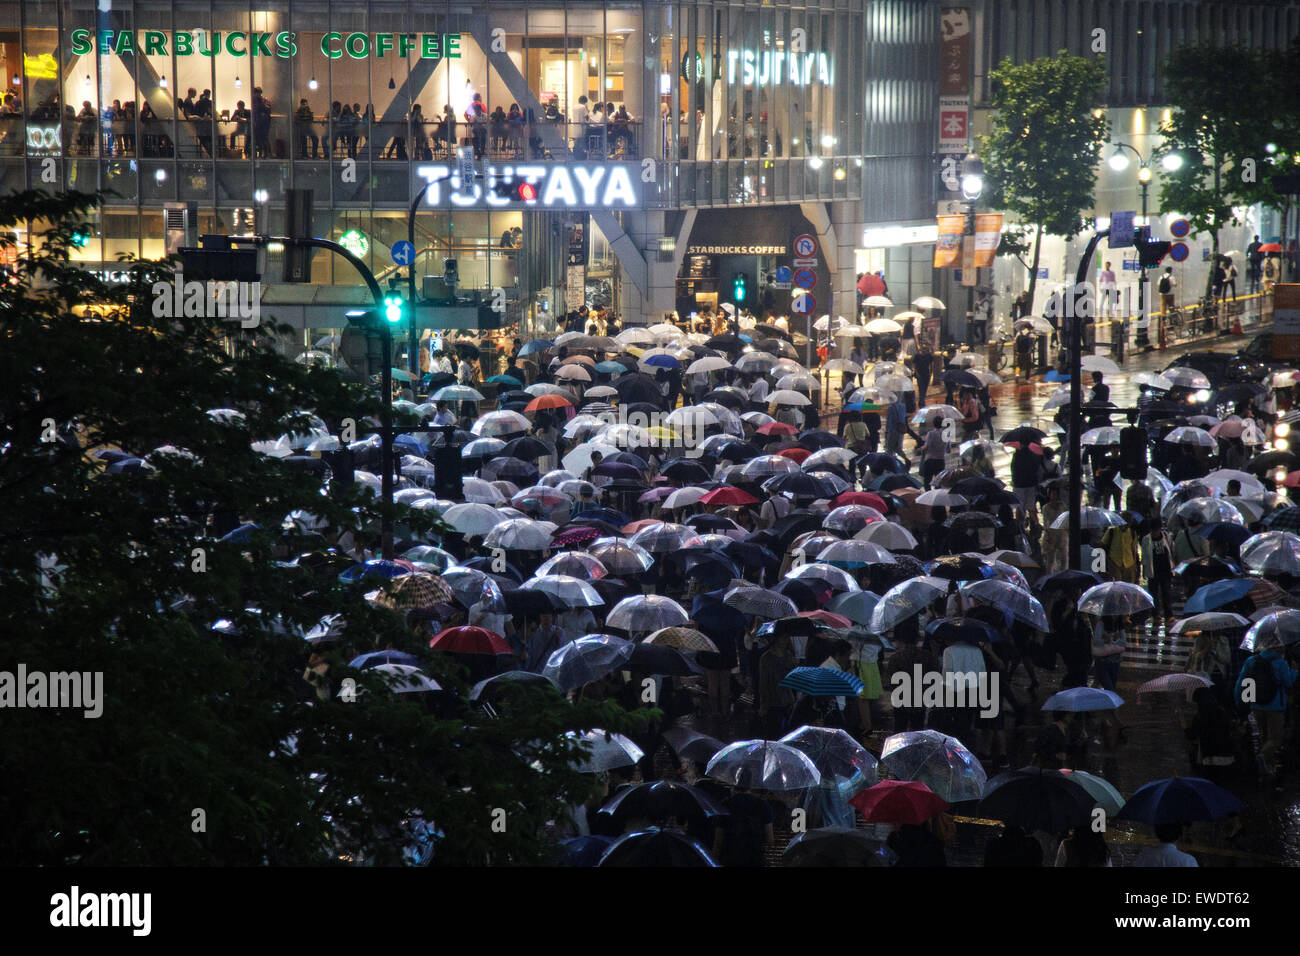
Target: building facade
x=732, y=127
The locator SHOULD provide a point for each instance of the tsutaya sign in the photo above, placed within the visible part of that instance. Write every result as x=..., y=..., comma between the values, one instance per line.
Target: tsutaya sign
x=567, y=186
x=772, y=67
x=358, y=46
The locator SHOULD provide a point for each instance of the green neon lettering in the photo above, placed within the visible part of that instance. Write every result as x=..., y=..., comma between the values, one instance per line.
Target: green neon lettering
x=383, y=43
x=155, y=43
x=352, y=43
x=230, y=43
x=261, y=44
x=452, y=44
x=184, y=43
x=81, y=44
x=404, y=43
x=125, y=42
x=325, y=45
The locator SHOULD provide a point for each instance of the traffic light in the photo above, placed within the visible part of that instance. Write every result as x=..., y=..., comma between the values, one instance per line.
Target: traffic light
x=739, y=288
x=521, y=191
x=81, y=238
x=1133, y=454
x=1150, y=251
x=394, y=308
x=450, y=273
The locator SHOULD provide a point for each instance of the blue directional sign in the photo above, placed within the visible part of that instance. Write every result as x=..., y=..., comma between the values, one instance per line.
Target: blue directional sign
x=403, y=253
x=783, y=274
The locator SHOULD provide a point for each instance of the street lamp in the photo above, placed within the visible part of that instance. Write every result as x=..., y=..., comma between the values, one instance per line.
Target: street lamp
x=1119, y=163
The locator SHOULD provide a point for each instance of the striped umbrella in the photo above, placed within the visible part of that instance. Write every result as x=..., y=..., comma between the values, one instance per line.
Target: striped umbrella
x=760, y=602
x=822, y=682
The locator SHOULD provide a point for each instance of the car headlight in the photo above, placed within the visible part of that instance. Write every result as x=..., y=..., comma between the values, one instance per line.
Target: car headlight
x=1281, y=429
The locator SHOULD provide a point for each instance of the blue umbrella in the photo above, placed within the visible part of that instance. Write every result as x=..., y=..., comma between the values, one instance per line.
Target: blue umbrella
x=1222, y=533
x=584, y=850
x=1217, y=594
x=712, y=616
x=536, y=345
x=505, y=380
x=373, y=570
x=611, y=368
x=411, y=443
x=663, y=361
x=822, y=682
x=1079, y=699
x=1056, y=375
x=383, y=657
x=241, y=535
x=961, y=630
x=1180, y=800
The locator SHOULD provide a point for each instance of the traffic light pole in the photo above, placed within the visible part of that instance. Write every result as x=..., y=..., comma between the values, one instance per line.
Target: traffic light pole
x=386, y=376
x=1076, y=404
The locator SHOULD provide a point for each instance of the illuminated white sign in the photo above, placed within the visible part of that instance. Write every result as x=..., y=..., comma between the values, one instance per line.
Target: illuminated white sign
x=772, y=67
x=882, y=237
x=573, y=185
x=44, y=137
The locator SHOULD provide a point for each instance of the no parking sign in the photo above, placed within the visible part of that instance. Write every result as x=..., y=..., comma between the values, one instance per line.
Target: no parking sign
x=804, y=304
x=805, y=279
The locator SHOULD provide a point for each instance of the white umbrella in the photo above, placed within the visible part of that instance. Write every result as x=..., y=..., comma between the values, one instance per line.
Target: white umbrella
x=1191, y=435
x=928, y=302
x=764, y=765
x=601, y=391
x=575, y=373
x=882, y=326
x=473, y=518
x=843, y=365
x=878, y=302
x=710, y=363
x=521, y=534
x=539, y=389
x=635, y=336
x=888, y=535
x=608, y=751
x=683, y=497
x=1099, y=363
x=570, y=591
x=646, y=612
x=788, y=397
x=696, y=416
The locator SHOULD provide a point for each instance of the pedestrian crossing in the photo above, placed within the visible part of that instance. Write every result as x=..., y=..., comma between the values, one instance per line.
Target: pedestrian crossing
x=1151, y=648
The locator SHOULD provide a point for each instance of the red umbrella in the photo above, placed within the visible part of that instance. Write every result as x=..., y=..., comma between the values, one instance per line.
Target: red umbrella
x=636, y=526
x=868, y=498
x=871, y=284
x=1271, y=247
x=547, y=401
x=728, y=495
x=898, y=801
x=828, y=617
x=777, y=428
x=795, y=453
x=470, y=640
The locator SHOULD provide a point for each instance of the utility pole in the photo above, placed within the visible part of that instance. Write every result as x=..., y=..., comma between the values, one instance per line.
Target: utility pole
x=1076, y=402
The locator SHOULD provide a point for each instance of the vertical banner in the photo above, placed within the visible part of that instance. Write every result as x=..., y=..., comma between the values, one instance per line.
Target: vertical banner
x=988, y=232
x=948, y=243
x=968, y=273
x=954, y=98
x=954, y=51
x=1286, y=320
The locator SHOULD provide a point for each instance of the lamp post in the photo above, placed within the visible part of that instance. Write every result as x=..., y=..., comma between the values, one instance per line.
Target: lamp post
x=1119, y=162
x=972, y=185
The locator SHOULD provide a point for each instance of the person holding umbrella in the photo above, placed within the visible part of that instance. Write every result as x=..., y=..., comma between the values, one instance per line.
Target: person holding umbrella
x=1262, y=688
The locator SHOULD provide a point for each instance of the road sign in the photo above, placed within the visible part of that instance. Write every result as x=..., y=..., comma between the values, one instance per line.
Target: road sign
x=1178, y=251
x=805, y=246
x=403, y=253
x=804, y=304
x=1121, y=230
x=783, y=274
x=465, y=165
x=805, y=279
x=805, y=262
x=1179, y=228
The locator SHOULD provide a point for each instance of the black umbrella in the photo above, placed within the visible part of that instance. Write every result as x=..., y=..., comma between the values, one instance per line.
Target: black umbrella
x=485, y=564
x=727, y=343
x=661, y=660
x=1036, y=799
x=467, y=350
x=1024, y=435
x=691, y=744
x=708, y=522
x=1201, y=571
x=629, y=458
x=815, y=439
x=1067, y=581
x=878, y=461
x=613, y=590
x=715, y=617
x=437, y=380
x=962, y=630
x=771, y=329
x=617, y=469
x=655, y=847
x=797, y=484
x=895, y=482
x=687, y=471
x=1238, y=392
x=661, y=800
x=723, y=397
x=638, y=387
x=1271, y=461
x=496, y=687
x=958, y=567
x=999, y=497
x=526, y=602
x=973, y=487
x=606, y=528
x=795, y=524
x=803, y=592
x=968, y=520
x=836, y=846
x=750, y=554
x=959, y=376
x=526, y=448
x=512, y=469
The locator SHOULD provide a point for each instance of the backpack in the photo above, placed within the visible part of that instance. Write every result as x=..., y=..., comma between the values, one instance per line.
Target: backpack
x=1266, y=685
x=1165, y=287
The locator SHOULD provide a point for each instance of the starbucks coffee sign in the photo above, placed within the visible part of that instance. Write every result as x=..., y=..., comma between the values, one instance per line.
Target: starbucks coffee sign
x=236, y=43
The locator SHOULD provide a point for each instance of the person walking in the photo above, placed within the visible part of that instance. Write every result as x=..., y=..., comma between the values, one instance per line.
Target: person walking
x=934, y=452
x=922, y=368
x=1262, y=687
x=1166, y=288
x=1109, y=290
x=1158, y=569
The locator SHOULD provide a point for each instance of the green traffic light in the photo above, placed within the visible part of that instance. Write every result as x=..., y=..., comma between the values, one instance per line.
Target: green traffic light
x=739, y=287
x=81, y=238
x=394, y=306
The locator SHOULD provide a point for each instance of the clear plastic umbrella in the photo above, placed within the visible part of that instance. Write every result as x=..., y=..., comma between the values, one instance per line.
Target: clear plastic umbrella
x=521, y=534
x=662, y=537
x=837, y=579
x=587, y=659
x=646, y=612
x=608, y=751
x=1250, y=485
x=1185, y=377
x=787, y=396
x=1273, y=552
x=1102, y=792
x=472, y=586
x=905, y=600
x=576, y=564
x=765, y=466
x=1210, y=622
x=478, y=491
x=1009, y=599
x=573, y=592
x=1115, y=598
x=1090, y=517
x=1209, y=511
x=942, y=496
x=854, y=554
x=1275, y=629
x=1191, y=435
x=494, y=424
x=828, y=456
x=473, y=518
x=683, y=497
x=621, y=557
x=835, y=753
x=1106, y=435
x=855, y=605
x=850, y=519
x=888, y=535
x=764, y=765
x=940, y=762
x=760, y=602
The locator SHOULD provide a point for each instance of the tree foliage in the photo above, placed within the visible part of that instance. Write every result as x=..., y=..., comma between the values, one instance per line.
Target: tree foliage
x=98, y=574
x=1041, y=152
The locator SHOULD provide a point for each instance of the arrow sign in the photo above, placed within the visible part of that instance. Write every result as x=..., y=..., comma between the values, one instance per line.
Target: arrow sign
x=403, y=253
x=805, y=246
x=783, y=274
x=804, y=304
